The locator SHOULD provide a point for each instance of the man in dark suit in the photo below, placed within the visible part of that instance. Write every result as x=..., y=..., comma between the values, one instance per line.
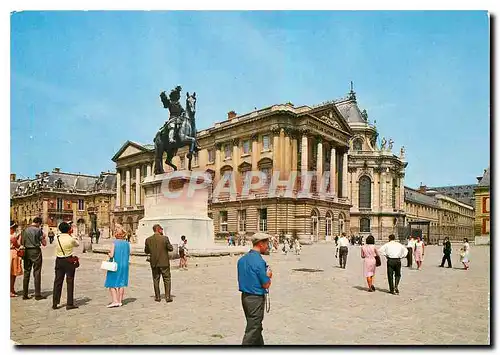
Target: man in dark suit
x=157, y=247
x=446, y=252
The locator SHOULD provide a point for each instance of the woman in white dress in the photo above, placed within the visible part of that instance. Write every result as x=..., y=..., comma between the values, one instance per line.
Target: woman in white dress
x=464, y=254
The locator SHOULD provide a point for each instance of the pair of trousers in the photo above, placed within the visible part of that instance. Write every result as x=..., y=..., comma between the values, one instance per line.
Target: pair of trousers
x=64, y=269
x=253, y=307
x=343, y=256
x=393, y=273
x=32, y=260
x=164, y=272
x=409, y=257
x=446, y=257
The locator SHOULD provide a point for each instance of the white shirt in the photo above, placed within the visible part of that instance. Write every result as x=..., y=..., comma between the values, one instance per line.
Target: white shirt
x=343, y=242
x=411, y=243
x=393, y=250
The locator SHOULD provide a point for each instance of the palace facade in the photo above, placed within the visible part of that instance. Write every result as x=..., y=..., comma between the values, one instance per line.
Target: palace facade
x=58, y=196
x=482, y=199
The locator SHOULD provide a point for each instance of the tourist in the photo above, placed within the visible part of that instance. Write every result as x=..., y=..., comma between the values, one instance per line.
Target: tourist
x=343, y=250
x=336, y=240
x=97, y=236
x=157, y=247
x=51, y=236
x=368, y=253
x=410, y=246
x=32, y=239
x=446, y=252
x=419, y=252
x=297, y=247
x=16, y=268
x=116, y=281
x=464, y=254
x=182, y=253
x=254, y=280
x=394, y=252
x=64, y=266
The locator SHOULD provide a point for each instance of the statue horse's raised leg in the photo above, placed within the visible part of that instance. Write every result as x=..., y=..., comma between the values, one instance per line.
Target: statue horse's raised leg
x=170, y=156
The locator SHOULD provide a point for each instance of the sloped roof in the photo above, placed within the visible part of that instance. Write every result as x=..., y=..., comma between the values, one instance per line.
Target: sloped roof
x=418, y=197
x=485, y=181
x=350, y=110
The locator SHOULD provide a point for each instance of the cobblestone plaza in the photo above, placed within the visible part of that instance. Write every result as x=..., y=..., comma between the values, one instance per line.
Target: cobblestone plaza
x=438, y=306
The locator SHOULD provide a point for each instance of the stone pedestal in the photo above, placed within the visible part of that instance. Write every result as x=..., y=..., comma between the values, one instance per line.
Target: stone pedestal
x=178, y=202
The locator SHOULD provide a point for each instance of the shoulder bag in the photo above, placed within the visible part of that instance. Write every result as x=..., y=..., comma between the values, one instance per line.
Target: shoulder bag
x=73, y=259
x=20, y=251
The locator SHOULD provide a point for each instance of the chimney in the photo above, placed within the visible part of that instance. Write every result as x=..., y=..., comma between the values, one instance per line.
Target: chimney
x=37, y=176
x=45, y=174
x=56, y=170
x=231, y=115
x=422, y=188
x=12, y=177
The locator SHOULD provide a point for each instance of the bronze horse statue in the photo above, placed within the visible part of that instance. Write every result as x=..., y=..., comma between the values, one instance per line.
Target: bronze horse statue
x=186, y=135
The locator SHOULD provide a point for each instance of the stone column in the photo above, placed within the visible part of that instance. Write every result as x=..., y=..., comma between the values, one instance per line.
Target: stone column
x=255, y=151
x=282, y=153
x=303, y=156
x=276, y=150
x=401, y=192
x=287, y=156
x=333, y=163
x=118, y=188
x=236, y=160
x=218, y=147
x=137, y=186
x=344, y=175
x=127, y=187
x=45, y=211
x=319, y=163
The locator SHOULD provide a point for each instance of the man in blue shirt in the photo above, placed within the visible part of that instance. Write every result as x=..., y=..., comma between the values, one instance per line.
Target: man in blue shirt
x=254, y=280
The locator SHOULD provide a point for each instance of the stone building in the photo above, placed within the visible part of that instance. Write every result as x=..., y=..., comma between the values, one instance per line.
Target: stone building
x=282, y=138
x=59, y=196
x=375, y=176
x=435, y=216
x=482, y=199
x=134, y=161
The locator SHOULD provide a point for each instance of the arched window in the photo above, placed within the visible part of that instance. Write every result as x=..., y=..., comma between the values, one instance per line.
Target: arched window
x=314, y=224
x=365, y=192
x=357, y=144
x=364, y=225
x=328, y=224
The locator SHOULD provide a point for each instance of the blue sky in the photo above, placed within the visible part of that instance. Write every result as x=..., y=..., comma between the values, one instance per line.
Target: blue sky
x=82, y=83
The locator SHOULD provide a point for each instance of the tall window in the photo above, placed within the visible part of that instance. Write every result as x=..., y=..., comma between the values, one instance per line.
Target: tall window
x=211, y=156
x=227, y=151
x=365, y=192
x=364, y=225
x=223, y=221
x=266, y=142
x=81, y=205
x=144, y=171
x=242, y=220
x=262, y=219
x=314, y=224
x=486, y=204
x=59, y=204
x=328, y=224
x=341, y=224
x=246, y=146
x=357, y=144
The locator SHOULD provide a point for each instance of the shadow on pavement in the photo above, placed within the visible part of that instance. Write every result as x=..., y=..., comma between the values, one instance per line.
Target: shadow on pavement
x=129, y=300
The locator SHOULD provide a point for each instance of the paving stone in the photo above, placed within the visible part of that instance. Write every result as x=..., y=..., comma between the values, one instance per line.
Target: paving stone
x=436, y=305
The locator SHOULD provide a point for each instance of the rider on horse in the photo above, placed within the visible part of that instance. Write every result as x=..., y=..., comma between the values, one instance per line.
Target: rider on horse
x=177, y=113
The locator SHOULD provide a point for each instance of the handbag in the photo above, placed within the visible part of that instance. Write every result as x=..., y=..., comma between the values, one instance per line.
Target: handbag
x=109, y=265
x=20, y=253
x=378, y=262
x=73, y=259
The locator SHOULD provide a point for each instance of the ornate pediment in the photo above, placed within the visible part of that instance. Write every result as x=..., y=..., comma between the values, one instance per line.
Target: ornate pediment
x=129, y=149
x=330, y=116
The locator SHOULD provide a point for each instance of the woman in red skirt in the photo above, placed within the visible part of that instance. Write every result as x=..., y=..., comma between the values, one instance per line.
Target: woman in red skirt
x=16, y=268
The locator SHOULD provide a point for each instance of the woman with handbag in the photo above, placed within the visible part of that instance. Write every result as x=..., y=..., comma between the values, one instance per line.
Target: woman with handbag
x=116, y=281
x=16, y=253
x=371, y=260
x=66, y=264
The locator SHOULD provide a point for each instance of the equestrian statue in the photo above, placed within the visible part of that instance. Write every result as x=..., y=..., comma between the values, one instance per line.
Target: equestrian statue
x=179, y=131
